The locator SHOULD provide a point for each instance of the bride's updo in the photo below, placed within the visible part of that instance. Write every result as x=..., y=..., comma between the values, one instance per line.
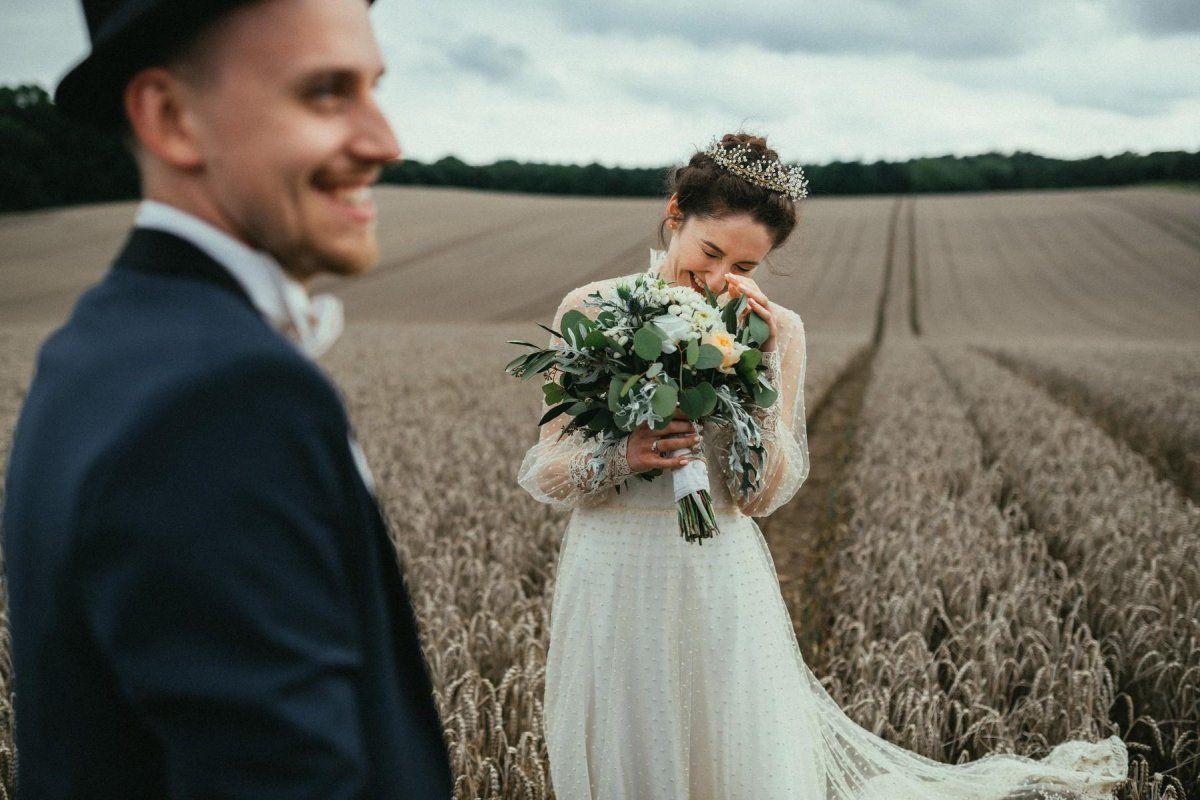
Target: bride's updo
x=706, y=189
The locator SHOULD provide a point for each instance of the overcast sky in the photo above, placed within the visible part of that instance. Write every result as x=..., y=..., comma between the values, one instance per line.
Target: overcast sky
x=643, y=83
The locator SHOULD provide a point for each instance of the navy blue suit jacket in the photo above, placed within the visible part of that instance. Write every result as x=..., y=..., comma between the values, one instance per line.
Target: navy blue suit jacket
x=204, y=600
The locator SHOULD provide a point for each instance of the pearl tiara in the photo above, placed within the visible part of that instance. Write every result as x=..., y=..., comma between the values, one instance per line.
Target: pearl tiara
x=771, y=174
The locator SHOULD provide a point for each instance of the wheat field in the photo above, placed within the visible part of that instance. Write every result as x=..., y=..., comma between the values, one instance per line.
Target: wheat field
x=998, y=546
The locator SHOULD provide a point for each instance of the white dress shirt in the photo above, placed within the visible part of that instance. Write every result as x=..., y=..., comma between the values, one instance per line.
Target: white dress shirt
x=311, y=324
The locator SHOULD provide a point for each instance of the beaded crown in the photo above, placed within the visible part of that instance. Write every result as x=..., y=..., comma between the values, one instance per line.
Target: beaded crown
x=741, y=160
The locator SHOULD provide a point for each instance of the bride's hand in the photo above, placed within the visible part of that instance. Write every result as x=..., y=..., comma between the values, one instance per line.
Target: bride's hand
x=648, y=449
x=756, y=301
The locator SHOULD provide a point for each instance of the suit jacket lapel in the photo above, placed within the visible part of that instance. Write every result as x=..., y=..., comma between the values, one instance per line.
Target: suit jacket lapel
x=161, y=253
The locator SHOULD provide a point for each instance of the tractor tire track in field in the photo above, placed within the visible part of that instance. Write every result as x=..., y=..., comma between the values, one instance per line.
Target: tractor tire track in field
x=914, y=314
x=889, y=265
x=805, y=535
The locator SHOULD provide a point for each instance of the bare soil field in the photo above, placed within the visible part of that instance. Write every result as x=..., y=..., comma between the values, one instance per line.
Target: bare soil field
x=998, y=546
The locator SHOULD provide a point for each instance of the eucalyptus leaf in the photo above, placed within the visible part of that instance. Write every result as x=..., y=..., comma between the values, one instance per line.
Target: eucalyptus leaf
x=664, y=400
x=595, y=339
x=750, y=360
x=710, y=357
x=729, y=315
x=690, y=403
x=693, y=352
x=614, y=395
x=708, y=395
x=654, y=369
x=647, y=342
x=759, y=330
x=577, y=323
x=764, y=397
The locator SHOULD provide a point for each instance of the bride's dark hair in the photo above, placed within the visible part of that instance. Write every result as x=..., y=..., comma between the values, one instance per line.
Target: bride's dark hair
x=706, y=189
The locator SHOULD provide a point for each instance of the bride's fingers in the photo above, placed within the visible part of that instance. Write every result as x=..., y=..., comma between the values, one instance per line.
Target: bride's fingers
x=761, y=309
x=674, y=427
x=677, y=462
x=670, y=444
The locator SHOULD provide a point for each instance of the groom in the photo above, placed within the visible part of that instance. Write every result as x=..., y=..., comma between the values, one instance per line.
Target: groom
x=204, y=600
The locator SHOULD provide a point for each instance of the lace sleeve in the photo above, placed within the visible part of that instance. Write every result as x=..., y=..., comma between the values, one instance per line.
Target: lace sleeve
x=783, y=424
x=559, y=472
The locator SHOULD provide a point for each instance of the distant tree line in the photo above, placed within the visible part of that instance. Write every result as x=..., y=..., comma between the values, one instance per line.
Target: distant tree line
x=46, y=159
x=984, y=172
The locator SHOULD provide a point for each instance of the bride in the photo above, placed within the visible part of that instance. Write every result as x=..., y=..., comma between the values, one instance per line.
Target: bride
x=673, y=670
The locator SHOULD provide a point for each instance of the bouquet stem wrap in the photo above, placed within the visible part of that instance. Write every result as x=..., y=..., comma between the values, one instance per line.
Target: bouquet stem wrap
x=693, y=499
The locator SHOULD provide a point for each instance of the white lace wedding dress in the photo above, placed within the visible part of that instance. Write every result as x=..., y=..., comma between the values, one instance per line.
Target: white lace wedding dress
x=673, y=671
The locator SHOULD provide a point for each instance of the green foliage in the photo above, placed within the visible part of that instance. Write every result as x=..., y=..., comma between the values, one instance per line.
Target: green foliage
x=710, y=357
x=648, y=342
x=698, y=401
x=975, y=173
x=48, y=159
x=758, y=328
x=664, y=400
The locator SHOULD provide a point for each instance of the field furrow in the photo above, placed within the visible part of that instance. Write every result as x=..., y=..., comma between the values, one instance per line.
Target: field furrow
x=1157, y=418
x=1129, y=537
x=954, y=633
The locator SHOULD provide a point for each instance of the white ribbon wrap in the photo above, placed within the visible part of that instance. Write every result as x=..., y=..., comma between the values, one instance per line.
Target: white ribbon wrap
x=691, y=477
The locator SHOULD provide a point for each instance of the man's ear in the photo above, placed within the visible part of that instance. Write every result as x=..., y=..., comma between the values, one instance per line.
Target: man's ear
x=159, y=119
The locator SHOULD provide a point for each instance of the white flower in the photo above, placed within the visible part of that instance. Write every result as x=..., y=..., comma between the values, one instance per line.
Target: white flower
x=676, y=330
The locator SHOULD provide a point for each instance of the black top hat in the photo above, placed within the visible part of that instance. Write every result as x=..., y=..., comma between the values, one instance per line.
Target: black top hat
x=127, y=36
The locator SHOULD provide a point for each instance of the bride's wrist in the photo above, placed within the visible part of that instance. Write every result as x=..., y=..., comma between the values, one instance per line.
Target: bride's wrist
x=618, y=465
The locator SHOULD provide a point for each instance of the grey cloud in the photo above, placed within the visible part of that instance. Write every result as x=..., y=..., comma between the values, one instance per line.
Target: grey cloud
x=933, y=28
x=496, y=62
x=1159, y=17
x=488, y=58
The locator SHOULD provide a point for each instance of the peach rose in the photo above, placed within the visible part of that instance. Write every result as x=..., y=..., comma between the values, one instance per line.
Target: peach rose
x=731, y=350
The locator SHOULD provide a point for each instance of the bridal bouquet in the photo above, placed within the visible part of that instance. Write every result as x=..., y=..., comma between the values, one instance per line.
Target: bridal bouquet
x=652, y=347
